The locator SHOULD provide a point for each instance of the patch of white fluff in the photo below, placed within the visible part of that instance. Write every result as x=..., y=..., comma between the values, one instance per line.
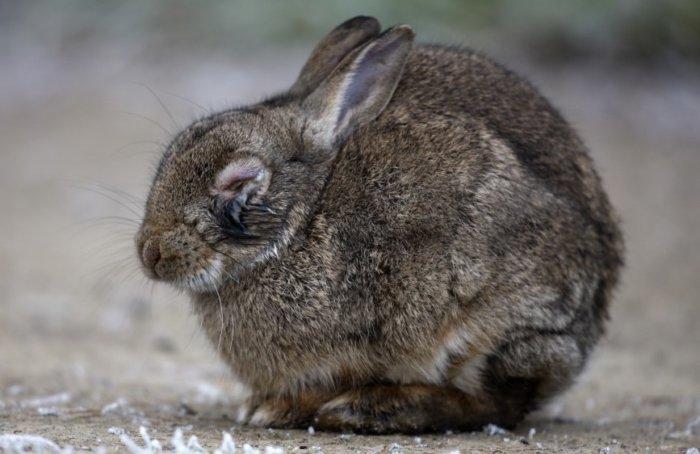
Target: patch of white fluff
x=208, y=394
x=227, y=445
x=15, y=390
x=689, y=431
x=47, y=411
x=46, y=401
x=395, y=448
x=114, y=406
x=16, y=444
x=150, y=445
x=274, y=450
x=493, y=430
x=192, y=446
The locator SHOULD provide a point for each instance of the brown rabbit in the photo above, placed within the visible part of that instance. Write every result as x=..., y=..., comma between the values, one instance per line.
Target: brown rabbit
x=410, y=239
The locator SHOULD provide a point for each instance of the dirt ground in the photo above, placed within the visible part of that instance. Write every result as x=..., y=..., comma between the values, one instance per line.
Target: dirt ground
x=89, y=349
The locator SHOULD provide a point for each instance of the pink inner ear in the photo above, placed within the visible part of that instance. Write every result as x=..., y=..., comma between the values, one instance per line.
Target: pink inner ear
x=236, y=172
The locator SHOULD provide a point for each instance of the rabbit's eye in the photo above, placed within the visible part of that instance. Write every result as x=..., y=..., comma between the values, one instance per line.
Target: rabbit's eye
x=227, y=211
x=296, y=159
x=231, y=212
x=238, y=194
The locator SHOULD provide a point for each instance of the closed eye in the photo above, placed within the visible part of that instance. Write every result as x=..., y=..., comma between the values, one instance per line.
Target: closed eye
x=228, y=213
x=244, y=220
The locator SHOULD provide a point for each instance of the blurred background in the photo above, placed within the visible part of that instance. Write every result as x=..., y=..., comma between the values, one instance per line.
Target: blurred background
x=90, y=92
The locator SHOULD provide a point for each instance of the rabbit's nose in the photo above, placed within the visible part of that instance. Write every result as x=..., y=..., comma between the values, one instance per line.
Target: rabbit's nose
x=151, y=254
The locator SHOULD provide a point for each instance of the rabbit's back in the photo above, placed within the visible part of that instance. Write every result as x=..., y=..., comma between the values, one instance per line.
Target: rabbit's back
x=458, y=82
x=458, y=122
x=469, y=206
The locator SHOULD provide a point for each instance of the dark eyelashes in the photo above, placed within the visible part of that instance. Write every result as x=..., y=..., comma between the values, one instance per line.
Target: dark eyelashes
x=297, y=159
x=228, y=214
x=247, y=221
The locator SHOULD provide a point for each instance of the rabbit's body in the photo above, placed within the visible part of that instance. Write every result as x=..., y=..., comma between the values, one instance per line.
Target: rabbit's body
x=451, y=268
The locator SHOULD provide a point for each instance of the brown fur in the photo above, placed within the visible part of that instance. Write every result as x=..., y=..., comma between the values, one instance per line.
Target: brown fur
x=442, y=261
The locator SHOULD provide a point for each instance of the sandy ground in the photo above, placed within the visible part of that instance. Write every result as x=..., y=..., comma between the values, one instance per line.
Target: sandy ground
x=88, y=348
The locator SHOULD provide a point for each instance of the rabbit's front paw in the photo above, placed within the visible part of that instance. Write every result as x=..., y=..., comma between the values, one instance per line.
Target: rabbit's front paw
x=286, y=412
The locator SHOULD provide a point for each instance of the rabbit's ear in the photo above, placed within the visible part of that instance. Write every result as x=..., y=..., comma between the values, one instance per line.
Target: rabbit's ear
x=358, y=89
x=331, y=50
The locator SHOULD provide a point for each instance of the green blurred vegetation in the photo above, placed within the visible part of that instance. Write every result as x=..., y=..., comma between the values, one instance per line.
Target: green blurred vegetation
x=627, y=32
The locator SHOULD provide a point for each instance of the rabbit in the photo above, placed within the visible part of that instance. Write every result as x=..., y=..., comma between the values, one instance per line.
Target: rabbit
x=410, y=239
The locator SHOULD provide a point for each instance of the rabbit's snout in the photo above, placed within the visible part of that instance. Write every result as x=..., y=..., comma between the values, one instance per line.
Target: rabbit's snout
x=160, y=258
x=171, y=255
x=151, y=255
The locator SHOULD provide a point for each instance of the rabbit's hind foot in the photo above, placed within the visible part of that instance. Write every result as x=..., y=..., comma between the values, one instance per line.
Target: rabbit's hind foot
x=388, y=408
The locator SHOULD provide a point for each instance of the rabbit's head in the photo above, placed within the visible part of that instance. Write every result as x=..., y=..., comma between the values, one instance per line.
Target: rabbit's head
x=232, y=189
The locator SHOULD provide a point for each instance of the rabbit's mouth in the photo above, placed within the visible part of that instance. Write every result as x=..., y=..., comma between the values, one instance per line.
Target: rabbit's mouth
x=207, y=279
x=181, y=258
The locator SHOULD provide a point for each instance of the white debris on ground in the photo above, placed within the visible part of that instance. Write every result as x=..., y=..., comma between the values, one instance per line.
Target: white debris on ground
x=121, y=408
x=48, y=411
x=16, y=444
x=531, y=433
x=692, y=428
x=115, y=406
x=150, y=445
x=419, y=442
x=15, y=390
x=395, y=448
x=116, y=431
x=692, y=451
x=192, y=446
x=493, y=430
x=46, y=401
x=311, y=430
x=208, y=394
x=227, y=445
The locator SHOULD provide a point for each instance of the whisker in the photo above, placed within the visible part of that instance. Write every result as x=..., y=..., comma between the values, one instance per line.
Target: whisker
x=221, y=315
x=143, y=117
x=117, y=150
x=123, y=220
x=112, y=198
x=160, y=101
x=114, y=194
x=115, y=190
x=206, y=111
x=236, y=262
